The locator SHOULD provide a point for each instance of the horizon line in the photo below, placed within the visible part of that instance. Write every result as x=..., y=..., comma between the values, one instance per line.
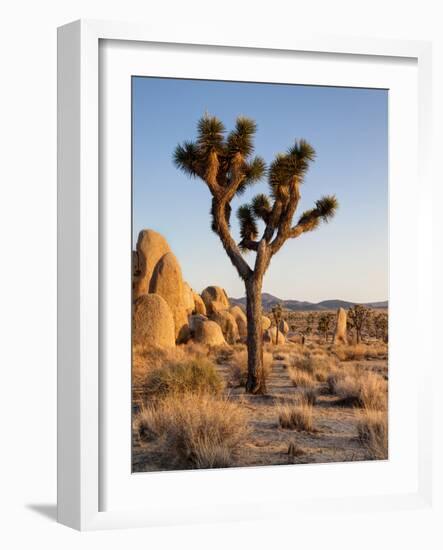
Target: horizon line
x=319, y=302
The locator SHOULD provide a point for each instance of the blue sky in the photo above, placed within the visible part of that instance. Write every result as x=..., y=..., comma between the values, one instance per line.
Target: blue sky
x=345, y=259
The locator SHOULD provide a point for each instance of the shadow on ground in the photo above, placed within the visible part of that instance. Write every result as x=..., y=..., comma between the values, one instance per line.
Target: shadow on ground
x=48, y=511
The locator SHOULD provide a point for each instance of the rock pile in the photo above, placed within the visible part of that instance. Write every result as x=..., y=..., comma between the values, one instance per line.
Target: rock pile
x=167, y=311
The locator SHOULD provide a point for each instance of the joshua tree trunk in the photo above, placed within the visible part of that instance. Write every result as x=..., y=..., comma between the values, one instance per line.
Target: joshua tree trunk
x=256, y=382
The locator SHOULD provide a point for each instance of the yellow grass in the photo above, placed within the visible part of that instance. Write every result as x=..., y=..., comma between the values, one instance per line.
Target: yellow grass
x=296, y=416
x=366, y=389
x=300, y=378
x=194, y=431
x=372, y=427
x=317, y=363
x=145, y=359
x=357, y=352
x=238, y=367
x=194, y=375
x=309, y=395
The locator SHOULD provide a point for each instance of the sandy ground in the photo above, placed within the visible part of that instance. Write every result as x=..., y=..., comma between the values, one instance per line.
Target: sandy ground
x=333, y=440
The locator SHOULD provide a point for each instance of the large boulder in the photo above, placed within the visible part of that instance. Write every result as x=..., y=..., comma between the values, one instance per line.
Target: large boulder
x=228, y=325
x=283, y=326
x=151, y=247
x=153, y=322
x=188, y=298
x=199, y=305
x=340, y=336
x=167, y=281
x=240, y=319
x=270, y=335
x=209, y=333
x=215, y=299
x=265, y=322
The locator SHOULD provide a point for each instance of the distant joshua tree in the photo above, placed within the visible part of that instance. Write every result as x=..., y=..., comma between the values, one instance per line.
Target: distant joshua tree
x=358, y=317
x=225, y=164
x=277, y=312
x=380, y=321
x=309, y=323
x=325, y=323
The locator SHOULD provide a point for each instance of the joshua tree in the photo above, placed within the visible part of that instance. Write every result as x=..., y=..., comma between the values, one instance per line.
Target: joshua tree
x=226, y=165
x=381, y=326
x=324, y=324
x=358, y=316
x=309, y=323
x=277, y=311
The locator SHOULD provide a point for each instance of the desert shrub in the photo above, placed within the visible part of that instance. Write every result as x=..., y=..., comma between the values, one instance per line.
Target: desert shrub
x=351, y=352
x=238, y=367
x=301, y=378
x=296, y=416
x=309, y=395
x=365, y=389
x=374, y=392
x=195, y=375
x=144, y=359
x=372, y=427
x=356, y=352
x=148, y=423
x=318, y=365
x=194, y=431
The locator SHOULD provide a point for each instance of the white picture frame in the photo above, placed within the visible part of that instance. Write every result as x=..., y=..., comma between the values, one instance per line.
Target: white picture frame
x=83, y=204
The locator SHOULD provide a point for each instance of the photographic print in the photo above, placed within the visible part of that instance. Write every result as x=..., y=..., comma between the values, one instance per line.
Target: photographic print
x=259, y=274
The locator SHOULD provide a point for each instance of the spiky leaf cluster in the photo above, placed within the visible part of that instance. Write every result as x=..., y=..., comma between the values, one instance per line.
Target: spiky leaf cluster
x=289, y=167
x=226, y=157
x=248, y=225
x=325, y=209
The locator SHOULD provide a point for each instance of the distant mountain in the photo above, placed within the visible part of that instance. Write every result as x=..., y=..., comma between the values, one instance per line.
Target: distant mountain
x=268, y=301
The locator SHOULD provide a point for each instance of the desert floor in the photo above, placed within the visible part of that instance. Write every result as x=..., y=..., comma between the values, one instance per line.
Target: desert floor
x=334, y=436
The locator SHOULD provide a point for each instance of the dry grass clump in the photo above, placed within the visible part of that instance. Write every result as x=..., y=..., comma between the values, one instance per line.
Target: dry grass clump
x=194, y=431
x=372, y=430
x=374, y=392
x=318, y=364
x=301, y=378
x=238, y=368
x=367, y=389
x=296, y=416
x=309, y=395
x=357, y=352
x=148, y=423
x=145, y=359
x=195, y=375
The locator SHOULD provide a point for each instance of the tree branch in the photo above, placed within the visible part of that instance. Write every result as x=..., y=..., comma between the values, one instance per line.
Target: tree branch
x=324, y=210
x=273, y=221
x=247, y=244
x=222, y=229
x=288, y=212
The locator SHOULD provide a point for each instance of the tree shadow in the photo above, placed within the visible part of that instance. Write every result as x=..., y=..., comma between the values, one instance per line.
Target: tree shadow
x=48, y=511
